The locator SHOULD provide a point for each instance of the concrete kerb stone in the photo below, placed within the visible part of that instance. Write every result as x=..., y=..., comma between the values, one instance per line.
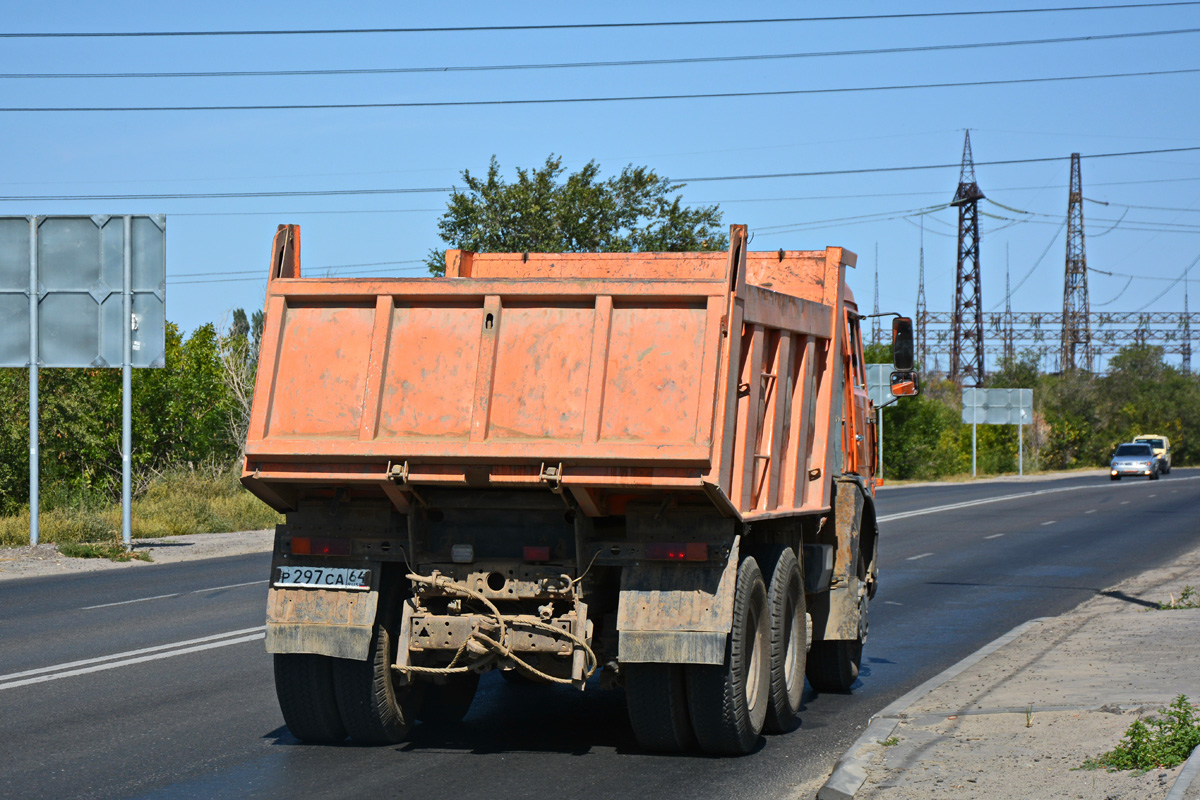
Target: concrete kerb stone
x=850, y=772
x=1189, y=777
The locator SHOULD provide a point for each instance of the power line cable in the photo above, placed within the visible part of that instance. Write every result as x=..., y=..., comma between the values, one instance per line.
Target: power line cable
x=1036, y=264
x=588, y=64
x=1149, y=208
x=260, y=275
x=1171, y=285
x=582, y=25
x=1134, y=277
x=679, y=182
x=327, y=266
x=577, y=100
x=1128, y=283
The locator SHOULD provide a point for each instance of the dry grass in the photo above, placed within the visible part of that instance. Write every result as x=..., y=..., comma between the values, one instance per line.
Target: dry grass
x=176, y=503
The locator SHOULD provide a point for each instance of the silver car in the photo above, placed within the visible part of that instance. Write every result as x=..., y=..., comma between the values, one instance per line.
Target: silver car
x=1136, y=459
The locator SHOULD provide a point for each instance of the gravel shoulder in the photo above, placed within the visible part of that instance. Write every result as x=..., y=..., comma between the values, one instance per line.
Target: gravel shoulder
x=44, y=559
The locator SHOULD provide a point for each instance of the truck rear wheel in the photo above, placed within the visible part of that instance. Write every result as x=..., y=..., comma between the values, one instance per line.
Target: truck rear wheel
x=833, y=664
x=447, y=703
x=789, y=642
x=728, y=702
x=375, y=708
x=304, y=686
x=656, y=697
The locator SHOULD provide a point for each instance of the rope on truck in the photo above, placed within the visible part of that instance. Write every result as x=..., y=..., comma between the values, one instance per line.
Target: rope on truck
x=496, y=649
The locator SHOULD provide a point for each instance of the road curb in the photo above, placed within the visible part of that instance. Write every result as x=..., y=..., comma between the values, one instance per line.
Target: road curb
x=850, y=772
x=1187, y=776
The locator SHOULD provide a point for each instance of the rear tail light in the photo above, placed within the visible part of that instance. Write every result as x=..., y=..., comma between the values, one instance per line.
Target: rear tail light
x=676, y=551
x=537, y=553
x=306, y=546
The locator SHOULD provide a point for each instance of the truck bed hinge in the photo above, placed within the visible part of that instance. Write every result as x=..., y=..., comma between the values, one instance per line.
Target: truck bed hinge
x=553, y=476
x=398, y=474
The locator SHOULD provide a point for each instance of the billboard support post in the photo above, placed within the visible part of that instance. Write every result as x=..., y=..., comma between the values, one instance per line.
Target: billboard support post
x=34, y=460
x=880, y=413
x=1021, y=446
x=127, y=383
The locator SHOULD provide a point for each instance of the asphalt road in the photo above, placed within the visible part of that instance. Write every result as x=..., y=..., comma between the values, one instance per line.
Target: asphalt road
x=153, y=682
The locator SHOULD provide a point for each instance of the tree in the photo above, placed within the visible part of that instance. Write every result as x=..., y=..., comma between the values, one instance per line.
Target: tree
x=237, y=351
x=632, y=212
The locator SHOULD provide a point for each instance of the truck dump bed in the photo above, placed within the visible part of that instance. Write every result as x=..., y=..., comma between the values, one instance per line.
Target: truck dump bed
x=606, y=375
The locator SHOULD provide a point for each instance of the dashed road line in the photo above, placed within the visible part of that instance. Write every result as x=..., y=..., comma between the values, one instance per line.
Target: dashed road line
x=1090, y=511
x=994, y=536
x=984, y=501
x=173, y=594
x=127, y=602
x=1049, y=522
x=914, y=558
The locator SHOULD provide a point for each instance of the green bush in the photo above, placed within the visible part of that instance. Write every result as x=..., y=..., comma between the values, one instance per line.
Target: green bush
x=1164, y=742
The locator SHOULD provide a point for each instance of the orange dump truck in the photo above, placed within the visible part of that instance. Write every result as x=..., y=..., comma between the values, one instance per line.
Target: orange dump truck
x=657, y=467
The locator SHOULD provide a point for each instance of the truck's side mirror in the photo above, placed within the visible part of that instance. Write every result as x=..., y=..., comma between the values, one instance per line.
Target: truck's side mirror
x=902, y=343
x=905, y=383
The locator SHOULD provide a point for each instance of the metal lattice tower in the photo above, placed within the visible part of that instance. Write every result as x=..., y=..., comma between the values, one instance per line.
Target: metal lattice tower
x=1187, y=329
x=922, y=313
x=1076, y=332
x=1009, y=345
x=966, y=352
x=876, y=330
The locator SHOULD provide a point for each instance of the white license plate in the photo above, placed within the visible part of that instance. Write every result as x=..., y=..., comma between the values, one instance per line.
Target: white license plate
x=323, y=578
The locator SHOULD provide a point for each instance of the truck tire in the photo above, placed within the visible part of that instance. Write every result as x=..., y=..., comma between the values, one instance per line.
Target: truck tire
x=833, y=664
x=304, y=686
x=728, y=702
x=443, y=705
x=789, y=641
x=375, y=709
x=656, y=697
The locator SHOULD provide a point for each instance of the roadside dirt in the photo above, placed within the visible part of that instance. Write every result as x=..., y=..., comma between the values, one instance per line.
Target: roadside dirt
x=29, y=562
x=1019, y=724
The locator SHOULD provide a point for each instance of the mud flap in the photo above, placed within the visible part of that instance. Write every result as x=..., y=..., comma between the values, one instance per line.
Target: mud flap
x=841, y=614
x=327, y=623
x=676, y=613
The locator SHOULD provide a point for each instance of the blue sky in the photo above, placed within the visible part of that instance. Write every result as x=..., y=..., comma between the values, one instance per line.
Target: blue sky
x=218, y=248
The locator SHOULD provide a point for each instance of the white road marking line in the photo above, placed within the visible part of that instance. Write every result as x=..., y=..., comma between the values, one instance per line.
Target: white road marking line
x=986, y=500
x=994, y=536
x=892, y=603
x=175, y=594
x=1124, y=502
x=131, y=661
x=914, y=558
x=1153, y=495
x=230, y=586
x=155, y=649
x=1050, y=522
x=127, y=602
x=1090, y=511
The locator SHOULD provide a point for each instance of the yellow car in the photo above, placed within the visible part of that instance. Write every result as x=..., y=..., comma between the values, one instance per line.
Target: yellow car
x=1161, y=446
